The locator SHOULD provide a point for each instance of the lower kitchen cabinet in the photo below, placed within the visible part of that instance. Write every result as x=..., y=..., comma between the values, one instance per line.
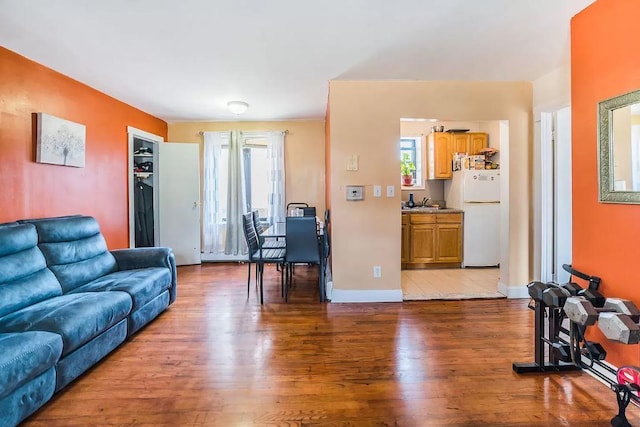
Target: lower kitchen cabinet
x=405, y=239
x=431, y=240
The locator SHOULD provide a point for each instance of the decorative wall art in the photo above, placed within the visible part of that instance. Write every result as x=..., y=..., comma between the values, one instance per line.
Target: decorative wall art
x=60, y=142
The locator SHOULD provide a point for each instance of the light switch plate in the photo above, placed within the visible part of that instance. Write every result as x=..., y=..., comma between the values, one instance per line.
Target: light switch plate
x=355, y=192
x=391, y=190
x=377, y=191
x=352, y=162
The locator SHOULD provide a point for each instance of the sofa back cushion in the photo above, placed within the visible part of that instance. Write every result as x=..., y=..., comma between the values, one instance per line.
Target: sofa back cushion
x=24, y=276
x=75, y=249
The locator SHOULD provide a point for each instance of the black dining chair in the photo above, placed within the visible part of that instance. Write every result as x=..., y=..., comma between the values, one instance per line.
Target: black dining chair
x=306, y=209
x=302, y=247
x=260, y=256
x=309, y=211
x=266, y=243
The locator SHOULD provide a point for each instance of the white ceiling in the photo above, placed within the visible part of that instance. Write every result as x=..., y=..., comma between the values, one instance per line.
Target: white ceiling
x=182, y=60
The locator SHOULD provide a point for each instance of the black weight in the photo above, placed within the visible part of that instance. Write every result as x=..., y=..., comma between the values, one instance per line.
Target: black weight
x=594, y=297
x=555, y=296
x=594, y=350
x=535, y=290
x=573, y=288
x=562, y=352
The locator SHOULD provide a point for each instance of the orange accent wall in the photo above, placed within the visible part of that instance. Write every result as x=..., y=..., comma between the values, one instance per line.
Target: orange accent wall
x=30, y=189
x=604, y=64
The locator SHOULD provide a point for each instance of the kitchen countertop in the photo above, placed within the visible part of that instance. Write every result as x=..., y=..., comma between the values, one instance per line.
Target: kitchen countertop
x=431, y=210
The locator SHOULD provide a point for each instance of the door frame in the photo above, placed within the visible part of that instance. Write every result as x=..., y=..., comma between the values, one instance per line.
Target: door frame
x=133, y=133
x=554, y=197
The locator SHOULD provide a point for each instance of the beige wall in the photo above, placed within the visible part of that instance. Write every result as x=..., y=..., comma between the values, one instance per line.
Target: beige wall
x=365, y=121
x=304, y=153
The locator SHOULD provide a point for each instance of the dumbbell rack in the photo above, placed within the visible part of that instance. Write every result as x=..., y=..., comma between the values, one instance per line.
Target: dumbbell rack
x=545, y=336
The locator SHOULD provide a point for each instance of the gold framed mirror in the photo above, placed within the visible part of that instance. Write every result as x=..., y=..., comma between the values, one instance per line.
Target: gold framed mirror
x=619, y=149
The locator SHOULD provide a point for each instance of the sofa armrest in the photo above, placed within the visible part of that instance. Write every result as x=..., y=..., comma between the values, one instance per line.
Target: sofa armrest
x=129, y=259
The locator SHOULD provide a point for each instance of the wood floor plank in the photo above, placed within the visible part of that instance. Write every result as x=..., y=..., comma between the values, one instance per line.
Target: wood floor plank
x=216, y=358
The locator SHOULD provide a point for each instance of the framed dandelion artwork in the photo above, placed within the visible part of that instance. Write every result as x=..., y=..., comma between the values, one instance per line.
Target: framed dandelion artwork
x=60, y=142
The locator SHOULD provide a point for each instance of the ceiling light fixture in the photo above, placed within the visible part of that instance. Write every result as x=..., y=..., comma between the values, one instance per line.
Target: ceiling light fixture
x=237, y=107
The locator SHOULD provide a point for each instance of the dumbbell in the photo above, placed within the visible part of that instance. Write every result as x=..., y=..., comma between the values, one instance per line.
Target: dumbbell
x=619, y=327
x=556, y=296
x=582, y=312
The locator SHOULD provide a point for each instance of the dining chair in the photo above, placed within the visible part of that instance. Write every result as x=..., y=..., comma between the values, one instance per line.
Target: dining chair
x=260, y=256
x=302, y=247
x=309, y=211
x=266, y=243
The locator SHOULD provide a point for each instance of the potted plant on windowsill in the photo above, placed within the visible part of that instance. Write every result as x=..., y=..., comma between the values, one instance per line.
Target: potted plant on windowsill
x=406, y=169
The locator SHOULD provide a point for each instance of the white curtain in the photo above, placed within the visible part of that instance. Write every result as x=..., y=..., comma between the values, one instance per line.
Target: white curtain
x=275, y=155
x=225, y=198
x=213, y=223
x=236, y=198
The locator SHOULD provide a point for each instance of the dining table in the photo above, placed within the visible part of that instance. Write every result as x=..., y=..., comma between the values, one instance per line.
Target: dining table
x=278, y=230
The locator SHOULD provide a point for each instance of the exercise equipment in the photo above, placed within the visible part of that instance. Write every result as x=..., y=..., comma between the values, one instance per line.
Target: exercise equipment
x=619, y=327
x=626, y=390
x=581, y=311
x=558, y=348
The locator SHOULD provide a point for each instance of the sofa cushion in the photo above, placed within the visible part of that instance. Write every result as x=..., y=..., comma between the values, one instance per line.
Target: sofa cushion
x=26, y=355
x=24, y=277
x=75, y=249
x=78, y=318
x=142, y=284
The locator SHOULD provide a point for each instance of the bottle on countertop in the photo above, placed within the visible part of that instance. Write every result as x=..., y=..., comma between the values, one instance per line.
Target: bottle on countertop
x=411, y=203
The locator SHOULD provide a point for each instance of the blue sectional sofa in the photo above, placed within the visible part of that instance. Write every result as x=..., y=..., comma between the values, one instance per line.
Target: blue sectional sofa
x=66, y=301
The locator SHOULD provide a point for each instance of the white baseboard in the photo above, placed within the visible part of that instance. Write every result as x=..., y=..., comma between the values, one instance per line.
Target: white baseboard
x=222, y=258
x=513, y=291
x=369, y=295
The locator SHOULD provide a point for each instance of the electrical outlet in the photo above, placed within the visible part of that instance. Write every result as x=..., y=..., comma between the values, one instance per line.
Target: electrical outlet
x=377, y=191
x=377, y=271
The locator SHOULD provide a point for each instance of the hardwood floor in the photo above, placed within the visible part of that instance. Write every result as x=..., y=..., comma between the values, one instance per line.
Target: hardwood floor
x=217, y=359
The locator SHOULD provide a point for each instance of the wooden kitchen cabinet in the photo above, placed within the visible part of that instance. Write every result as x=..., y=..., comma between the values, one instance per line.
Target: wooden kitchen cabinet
x=423, y=243
x=477, y=141
x=469, y=142
x=431, y=240
x=459, y=142
x=405, y=239
x=449, y=243
x=441, y=146
x=439, y=155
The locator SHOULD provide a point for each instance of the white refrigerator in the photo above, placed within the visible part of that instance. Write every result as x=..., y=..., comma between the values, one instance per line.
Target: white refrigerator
x=477, y=193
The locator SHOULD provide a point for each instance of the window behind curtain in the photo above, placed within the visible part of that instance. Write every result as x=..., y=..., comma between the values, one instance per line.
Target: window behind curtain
x=256, y=176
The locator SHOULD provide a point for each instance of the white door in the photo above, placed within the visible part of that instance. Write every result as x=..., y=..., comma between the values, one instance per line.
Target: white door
x=179, y=200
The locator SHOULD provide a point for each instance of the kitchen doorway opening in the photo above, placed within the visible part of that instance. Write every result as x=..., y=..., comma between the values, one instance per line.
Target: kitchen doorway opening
x=433, y=282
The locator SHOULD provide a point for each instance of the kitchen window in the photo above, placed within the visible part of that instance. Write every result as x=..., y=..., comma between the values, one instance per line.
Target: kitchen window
x=412, y=146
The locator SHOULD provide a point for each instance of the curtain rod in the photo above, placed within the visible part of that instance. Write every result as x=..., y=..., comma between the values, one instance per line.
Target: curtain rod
x=201, y=133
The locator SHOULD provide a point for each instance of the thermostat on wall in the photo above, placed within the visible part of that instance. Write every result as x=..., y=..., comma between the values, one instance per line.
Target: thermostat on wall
x=355, y=192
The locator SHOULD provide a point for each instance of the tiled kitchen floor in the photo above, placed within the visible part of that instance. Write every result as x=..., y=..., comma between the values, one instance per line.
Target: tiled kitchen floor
x=451, y=283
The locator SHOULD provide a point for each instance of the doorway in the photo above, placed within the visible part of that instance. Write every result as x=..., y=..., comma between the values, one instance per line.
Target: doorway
x=456, y=283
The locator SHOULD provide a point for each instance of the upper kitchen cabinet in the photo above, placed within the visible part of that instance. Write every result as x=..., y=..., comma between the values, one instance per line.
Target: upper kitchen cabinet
x=470, y=143
x=460, y=142
x=441, y=146
x=477, y=141
x=439, y=155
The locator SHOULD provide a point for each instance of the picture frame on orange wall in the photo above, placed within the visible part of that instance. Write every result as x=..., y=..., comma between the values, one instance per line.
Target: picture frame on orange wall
x=60, y=141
